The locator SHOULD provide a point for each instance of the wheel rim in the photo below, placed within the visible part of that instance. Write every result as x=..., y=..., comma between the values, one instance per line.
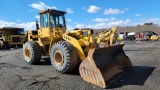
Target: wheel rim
x=27, y=53
x=58, y=58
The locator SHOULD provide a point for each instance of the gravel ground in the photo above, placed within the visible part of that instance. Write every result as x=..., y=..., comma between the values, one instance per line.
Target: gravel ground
x=16, y=74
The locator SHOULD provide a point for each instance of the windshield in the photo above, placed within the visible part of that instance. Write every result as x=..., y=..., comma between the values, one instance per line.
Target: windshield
x=58, y=20
x=18, y=32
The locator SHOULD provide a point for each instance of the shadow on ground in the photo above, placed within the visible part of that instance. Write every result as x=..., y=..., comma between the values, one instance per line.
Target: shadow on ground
x=137, y=76
x=136, y=50
x=45, y=61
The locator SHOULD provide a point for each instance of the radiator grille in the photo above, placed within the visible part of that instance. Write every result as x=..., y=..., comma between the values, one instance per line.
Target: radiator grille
x=15, y=39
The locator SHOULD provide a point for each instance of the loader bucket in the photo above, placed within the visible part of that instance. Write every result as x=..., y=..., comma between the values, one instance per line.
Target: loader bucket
x=104, y=66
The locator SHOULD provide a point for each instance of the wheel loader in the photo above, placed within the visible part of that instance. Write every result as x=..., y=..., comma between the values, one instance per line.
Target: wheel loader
x=152, y=36
x=99, y=66
x=109, y=37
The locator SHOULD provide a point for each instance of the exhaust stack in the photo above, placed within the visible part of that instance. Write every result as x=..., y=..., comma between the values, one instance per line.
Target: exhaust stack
x=37, y=25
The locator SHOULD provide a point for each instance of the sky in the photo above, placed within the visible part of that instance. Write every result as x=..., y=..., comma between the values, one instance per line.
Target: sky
x=94, y=14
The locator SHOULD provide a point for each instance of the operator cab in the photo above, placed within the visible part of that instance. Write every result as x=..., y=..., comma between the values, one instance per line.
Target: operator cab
x=52, y=18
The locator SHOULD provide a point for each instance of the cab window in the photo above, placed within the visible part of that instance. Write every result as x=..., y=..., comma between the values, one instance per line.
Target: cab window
x=45, y=20
x=51, y=22
x=60, y=21
x=41, y=20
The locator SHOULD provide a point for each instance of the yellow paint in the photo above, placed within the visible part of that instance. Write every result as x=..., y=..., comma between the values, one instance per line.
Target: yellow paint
x=47, y=37
x=108, y=37
x=7, y=35
x=155, y=38
x=76, y=44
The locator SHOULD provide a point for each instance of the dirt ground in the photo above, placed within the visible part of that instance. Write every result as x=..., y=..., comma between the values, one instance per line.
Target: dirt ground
x=16, y=74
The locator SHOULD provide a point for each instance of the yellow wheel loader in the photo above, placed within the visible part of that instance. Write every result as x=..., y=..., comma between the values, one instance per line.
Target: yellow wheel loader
x=109, y=37
x=99, y=66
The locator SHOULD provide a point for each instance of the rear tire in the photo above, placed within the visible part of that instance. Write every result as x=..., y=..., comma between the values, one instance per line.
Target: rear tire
x=4, y=45
x=63, y=57
x=1, y=43
x=32, y=52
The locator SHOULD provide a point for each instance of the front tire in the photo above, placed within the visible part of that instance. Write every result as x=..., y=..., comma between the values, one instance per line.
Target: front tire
x=1, y=43
x=32, y=52
x=4, y=45
x=63, y=57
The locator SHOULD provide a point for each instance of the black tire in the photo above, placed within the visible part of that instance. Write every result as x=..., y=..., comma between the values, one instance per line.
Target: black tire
x=68, y=57
x=32, y=52
x=5, y=45
x=1, y=43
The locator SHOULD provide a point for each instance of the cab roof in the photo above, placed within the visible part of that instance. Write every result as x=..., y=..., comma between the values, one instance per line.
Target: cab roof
x=11, y=28
x=54, y=12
